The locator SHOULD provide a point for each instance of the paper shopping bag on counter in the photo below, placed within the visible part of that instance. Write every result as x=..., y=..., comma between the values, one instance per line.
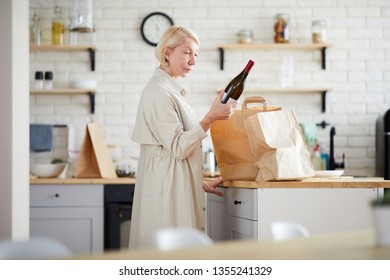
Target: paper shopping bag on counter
x=277, y=143
x=230, y=141
x=95, y=160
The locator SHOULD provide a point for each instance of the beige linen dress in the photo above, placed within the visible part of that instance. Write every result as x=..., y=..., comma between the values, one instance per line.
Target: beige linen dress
x=168, y=191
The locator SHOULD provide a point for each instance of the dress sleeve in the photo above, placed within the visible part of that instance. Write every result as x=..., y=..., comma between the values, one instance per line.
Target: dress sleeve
x=165, y=120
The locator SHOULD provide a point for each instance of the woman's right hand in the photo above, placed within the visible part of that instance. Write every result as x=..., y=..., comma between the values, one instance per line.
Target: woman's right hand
x=218, y=111
x=222, y=111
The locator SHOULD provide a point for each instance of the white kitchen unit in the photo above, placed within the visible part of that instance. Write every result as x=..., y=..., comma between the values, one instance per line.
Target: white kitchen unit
x=72, y=214
x=246, y=213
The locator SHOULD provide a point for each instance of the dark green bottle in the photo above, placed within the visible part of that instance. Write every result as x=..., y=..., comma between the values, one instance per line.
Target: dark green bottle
x=236, y=86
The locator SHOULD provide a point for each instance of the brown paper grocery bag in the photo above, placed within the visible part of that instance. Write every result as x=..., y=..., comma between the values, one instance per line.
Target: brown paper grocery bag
x=94, y=160
x=230, y=141
x=277, y=143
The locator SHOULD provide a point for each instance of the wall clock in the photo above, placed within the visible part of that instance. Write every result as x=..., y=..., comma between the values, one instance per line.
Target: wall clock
x=153, y=26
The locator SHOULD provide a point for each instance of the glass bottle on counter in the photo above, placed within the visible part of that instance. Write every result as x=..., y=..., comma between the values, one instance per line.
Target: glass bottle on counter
x=36, y=34
x=319, y=34
x=281, y=28
x=57, y=27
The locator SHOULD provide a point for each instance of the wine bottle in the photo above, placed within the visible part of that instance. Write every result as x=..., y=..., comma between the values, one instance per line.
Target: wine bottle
x=236, y=86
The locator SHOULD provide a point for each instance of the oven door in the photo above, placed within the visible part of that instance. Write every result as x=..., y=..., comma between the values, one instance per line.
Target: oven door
x=117, y=230
x=118, y=202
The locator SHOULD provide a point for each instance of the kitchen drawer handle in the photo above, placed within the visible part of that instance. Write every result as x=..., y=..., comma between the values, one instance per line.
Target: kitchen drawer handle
x=237, y=202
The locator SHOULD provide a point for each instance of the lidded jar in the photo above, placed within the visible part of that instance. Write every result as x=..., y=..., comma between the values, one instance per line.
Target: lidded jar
x=82, y=30
x=281, y=28
x=319, y=32
x=245, y=36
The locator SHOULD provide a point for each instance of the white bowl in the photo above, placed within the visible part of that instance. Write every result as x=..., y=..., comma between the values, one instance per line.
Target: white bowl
x=84, y=84
x=47, y=170
x=328, y=173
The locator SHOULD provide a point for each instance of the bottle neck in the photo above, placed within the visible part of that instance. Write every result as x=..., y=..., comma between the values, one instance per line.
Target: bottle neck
x=248, y=67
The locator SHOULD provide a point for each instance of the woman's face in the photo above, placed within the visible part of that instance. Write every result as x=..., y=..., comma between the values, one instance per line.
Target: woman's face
x=182, y=59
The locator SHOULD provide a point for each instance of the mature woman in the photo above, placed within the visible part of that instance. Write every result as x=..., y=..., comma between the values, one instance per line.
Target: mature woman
x=168, y=191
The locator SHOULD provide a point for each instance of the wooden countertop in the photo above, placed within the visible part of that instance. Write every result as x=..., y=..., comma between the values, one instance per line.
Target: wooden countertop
x=341, y=182
x=342, y=246
x=80, y=181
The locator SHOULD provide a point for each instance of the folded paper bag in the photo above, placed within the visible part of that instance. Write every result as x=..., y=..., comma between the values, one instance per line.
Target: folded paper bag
x=277, y=143
x=95, y=160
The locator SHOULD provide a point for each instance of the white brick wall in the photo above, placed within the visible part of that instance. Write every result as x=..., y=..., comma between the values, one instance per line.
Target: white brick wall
x=358, y=67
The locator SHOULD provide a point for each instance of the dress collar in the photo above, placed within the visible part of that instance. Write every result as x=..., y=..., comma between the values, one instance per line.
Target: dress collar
x=169, y=81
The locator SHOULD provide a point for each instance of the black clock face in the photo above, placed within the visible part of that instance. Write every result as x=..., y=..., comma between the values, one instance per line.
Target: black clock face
x=153, y=26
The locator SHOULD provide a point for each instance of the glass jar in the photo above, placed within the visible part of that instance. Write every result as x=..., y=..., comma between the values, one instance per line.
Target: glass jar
x=319, y=34
x=282, y=32
x=82, y=30
x=244, y=37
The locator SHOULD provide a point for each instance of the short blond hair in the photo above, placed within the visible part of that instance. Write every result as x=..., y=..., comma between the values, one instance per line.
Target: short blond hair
x=172, y=37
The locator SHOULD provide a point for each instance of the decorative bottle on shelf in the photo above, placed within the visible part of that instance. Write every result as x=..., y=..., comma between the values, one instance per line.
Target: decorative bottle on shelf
x=57, y=27
x=36, y=33
x=236, y=86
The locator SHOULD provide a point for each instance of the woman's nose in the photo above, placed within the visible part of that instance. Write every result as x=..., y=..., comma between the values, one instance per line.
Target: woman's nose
x=192, y=60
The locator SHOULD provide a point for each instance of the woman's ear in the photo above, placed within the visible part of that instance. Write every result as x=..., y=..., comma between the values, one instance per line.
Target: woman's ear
x=166, y=54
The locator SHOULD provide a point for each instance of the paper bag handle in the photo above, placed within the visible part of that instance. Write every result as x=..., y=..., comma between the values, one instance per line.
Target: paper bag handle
x=254, y=99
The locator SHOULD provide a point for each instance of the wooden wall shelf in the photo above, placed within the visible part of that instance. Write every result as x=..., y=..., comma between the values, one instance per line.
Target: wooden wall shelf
x=90, y=48
x=90, y=92
x=321, y=90
x=308, y=47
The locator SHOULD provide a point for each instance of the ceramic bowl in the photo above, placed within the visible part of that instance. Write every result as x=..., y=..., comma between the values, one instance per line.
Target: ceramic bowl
x=47, y=170
x=84, y=84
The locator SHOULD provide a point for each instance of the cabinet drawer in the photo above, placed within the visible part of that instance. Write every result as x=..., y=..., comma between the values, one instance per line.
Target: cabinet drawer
x=66, y=195
x=242, y=229
x=242, y=203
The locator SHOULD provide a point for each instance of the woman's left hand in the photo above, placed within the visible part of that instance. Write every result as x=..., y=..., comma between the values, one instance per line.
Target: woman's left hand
x=210, y=186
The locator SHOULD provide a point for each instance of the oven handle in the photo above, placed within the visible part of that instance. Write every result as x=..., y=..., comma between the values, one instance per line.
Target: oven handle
x=122, y=208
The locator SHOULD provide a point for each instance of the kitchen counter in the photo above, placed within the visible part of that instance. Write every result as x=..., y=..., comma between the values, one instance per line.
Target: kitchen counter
x=341, y=182
x=329, y=183
x=359, y=245
x=81, y=181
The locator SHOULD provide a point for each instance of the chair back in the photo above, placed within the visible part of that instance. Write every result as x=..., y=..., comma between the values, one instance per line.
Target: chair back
x=37, y=248
x=287, y=230
x=175, y=238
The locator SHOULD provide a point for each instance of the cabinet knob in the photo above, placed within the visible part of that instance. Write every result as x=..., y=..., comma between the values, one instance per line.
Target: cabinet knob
x=237, y=202
x=57, y=195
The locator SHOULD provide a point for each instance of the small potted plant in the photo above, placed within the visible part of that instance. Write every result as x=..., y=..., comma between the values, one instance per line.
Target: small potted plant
x=381, y=211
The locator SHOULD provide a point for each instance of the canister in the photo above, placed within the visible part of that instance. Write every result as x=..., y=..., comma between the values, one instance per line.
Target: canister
x=319, y=32
x=245, y=36
x=282, y=32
